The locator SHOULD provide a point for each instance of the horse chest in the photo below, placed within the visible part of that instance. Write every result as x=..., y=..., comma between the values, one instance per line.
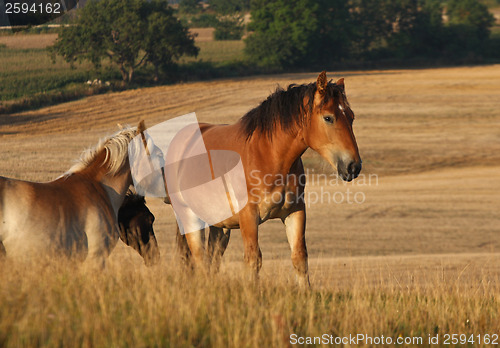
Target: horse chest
x=278, y=203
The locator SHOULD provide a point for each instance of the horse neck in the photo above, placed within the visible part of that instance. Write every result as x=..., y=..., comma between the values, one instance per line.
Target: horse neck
x=284, y=148
x=116, y=185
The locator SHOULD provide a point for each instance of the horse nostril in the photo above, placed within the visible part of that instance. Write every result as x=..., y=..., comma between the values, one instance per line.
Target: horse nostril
x=354, y=168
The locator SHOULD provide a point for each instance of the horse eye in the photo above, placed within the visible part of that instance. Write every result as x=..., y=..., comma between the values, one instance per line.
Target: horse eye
x=328, y=119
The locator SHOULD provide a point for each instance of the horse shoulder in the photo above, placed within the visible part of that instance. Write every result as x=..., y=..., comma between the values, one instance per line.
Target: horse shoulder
x=85, y=194
x=101, y=231
x=90, y=225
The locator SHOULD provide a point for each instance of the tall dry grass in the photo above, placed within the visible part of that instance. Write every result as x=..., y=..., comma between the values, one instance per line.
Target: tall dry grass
x=58, y=304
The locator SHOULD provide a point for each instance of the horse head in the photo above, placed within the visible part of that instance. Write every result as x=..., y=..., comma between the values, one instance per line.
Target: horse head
x=136, y=228
x=330, y=131
x=147, y=164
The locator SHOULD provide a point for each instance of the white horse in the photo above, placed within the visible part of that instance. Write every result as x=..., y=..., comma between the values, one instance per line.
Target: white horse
x=76, y=214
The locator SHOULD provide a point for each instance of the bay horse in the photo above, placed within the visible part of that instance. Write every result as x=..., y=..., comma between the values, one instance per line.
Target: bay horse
x=76, y=214
x=270, y=140
x=136, y=228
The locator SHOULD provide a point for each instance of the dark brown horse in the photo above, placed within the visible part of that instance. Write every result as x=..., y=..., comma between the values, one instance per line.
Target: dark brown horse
x=270, y=139
x=136, y=228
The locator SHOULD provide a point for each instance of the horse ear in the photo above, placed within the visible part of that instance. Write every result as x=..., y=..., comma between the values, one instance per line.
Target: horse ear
x=340, y=83
x=321, y=83
x=141, y=127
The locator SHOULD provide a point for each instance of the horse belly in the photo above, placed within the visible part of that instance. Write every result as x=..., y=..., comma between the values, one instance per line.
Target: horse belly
x=32, y=238
x=231, y=223
x=269, y=207
x=23, y=237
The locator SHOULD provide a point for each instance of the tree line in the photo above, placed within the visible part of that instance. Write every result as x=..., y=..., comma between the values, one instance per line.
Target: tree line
x=289, y=33
x=282, y=34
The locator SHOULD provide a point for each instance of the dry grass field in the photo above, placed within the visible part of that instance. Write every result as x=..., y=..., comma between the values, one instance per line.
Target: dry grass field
x=29, y=78
x=28, y=41
x=34, y=41
x=419, y=256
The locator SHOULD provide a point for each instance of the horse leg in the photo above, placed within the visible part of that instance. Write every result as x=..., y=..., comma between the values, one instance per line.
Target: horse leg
x=295, y=225
x=218, y=240
x=183, y=247
x=249, y=232
x=102, y=236
x=196, y=243
x=96, y=255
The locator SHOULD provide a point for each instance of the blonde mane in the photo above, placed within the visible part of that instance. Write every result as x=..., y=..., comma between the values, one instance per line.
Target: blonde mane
x=116, y=150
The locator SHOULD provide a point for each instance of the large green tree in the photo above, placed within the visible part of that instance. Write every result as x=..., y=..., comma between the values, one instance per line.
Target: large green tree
x=417, y=29
x=324, y=32
x=333, y=40
x=166, y=39
x=282, y=31
x=301, y=32
x=129, y=33
x=229, y=6
x=371, y=24
x=471, y=13
x=189, y=6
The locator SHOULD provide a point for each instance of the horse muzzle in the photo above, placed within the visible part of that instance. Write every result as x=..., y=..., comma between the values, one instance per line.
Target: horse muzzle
x=349, y=171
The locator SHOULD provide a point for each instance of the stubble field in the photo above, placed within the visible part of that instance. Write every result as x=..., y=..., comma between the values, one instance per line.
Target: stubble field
x=415, y=253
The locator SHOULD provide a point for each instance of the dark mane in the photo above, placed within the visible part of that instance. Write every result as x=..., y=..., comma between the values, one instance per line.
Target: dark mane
x=285, y=109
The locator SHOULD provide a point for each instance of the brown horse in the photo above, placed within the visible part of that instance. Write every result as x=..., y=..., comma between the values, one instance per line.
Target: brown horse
x=136, y=228
x=270, y=140
x=76, y=214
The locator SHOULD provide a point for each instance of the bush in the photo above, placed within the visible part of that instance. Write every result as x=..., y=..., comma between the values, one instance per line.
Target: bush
x=189, y=6
x=204, y=20
x=230, y=6
x=228, y=28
